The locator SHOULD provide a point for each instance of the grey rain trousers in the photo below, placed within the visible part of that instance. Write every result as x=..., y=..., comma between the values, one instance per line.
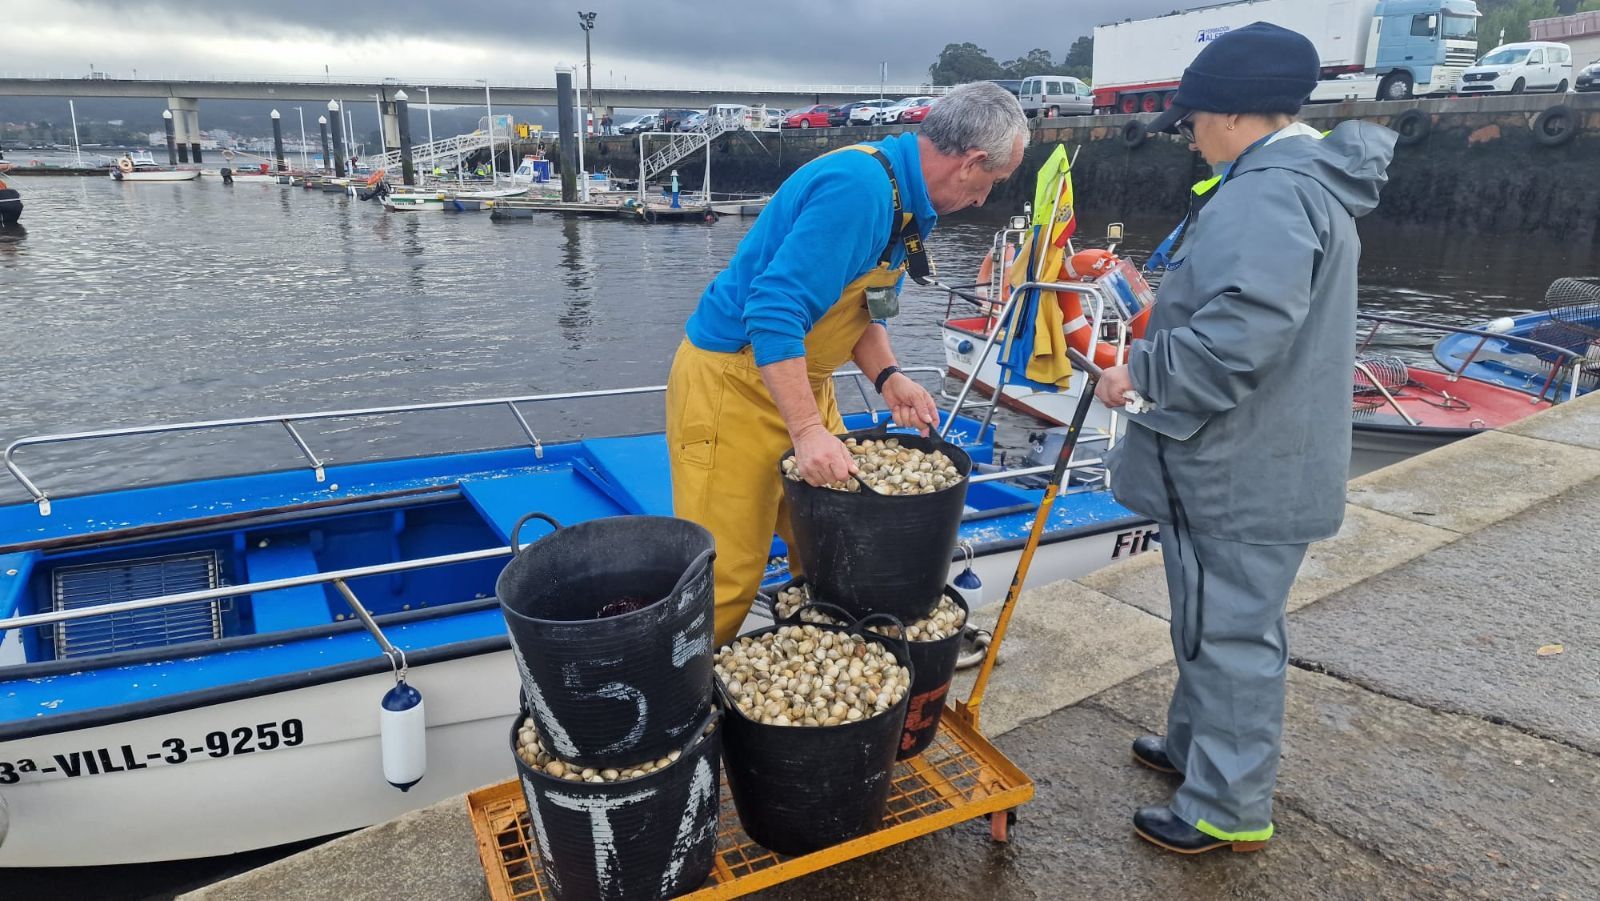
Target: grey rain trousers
x=1225, y=721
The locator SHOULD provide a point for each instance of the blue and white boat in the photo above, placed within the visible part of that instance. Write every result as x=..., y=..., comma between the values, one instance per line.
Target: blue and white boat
x=1571, y=324
x=194, y=668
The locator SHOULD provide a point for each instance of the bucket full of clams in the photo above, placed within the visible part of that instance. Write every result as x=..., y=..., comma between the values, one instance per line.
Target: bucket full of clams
x=814, y=716
x=882, y=541
x=934, y=644
x=610, y=625
x=643, y=830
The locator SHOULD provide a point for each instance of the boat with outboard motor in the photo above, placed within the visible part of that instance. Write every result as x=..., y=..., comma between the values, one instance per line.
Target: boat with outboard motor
x=1571, y=321
x=139, y=165
x=194, y=668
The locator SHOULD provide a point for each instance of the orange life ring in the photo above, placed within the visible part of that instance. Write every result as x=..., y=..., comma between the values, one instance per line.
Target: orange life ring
x=1086, y=266
x=374, y=178
x=125, y=164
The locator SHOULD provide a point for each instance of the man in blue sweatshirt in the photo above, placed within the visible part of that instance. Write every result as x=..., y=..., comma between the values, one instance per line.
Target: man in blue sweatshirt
x=811, y=288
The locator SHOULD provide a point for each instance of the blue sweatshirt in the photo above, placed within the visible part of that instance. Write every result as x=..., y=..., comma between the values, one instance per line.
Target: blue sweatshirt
x=825, y=228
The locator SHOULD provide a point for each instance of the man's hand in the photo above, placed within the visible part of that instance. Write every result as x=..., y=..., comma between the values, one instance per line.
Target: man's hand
x=1113, y=387
x=910, y=403
x=821, y=458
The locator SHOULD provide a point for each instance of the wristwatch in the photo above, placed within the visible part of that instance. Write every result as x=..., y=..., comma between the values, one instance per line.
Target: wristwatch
x=883, y=377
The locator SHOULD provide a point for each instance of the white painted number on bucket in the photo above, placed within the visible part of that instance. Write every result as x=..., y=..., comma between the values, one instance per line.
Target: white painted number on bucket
x=700, y=791
x=605, y=844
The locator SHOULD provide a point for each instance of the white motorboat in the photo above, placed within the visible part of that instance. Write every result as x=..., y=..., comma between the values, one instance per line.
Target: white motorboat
x=138, y=165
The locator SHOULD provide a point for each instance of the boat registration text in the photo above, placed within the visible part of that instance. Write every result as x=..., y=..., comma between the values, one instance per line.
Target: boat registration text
x=125, y=758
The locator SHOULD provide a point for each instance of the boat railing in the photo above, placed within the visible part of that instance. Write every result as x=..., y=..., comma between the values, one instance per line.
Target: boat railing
x=1574, y=361
x=318, y=467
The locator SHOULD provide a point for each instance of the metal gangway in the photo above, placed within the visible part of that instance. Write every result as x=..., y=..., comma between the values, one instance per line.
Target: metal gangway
x=682, y=145
x=425, y=156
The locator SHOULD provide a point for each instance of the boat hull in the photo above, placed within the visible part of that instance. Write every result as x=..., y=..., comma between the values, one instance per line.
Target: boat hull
x=179, y=175
x=128, y=802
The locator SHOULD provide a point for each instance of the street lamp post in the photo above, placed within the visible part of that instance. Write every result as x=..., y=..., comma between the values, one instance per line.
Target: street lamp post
x=586, y=22
x=428, y=99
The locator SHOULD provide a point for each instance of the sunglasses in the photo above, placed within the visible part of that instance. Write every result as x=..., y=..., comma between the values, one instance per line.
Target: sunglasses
x=1186, y=129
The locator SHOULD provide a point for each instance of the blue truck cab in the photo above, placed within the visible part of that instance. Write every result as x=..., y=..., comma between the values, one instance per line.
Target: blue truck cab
x=1421, y=47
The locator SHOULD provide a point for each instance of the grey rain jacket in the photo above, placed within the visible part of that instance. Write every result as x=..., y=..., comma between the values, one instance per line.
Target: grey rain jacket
x=1251, y=345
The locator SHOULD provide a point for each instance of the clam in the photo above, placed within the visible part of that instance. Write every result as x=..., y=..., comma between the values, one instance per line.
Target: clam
x=836, y=678
x=534, y=754
x=888, y=468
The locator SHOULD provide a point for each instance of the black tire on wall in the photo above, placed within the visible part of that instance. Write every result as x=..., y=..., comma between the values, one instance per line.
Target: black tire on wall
x=1134, y=134
x=1413, y=126
x=1555, y=126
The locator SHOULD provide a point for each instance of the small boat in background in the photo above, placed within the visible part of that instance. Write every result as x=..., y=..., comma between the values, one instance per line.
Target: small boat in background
x=1399, y=411
x=448, y=201
x=138, y=165
x=1571, y=323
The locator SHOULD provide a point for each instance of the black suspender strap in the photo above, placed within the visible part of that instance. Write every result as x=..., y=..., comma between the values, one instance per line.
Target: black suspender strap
x=903, y=228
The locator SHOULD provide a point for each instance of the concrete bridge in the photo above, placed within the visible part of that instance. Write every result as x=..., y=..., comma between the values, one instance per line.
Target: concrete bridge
x=449, y=93
x=183, y=94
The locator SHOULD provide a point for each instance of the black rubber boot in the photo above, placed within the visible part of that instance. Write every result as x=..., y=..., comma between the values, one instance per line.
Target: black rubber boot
x=1151, y=751
x=1161, y=827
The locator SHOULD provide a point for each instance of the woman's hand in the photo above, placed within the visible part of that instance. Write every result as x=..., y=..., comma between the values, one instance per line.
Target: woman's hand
x=1114, y=386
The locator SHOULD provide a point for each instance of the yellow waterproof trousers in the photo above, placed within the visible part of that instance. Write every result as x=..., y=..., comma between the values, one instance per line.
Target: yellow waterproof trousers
x=725, y=435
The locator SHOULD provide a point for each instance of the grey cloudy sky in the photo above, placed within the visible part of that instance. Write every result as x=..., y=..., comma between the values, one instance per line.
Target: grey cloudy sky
x=635, y=41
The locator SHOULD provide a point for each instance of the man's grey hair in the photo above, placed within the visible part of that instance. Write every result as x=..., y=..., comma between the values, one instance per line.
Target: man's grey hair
x=977, y=116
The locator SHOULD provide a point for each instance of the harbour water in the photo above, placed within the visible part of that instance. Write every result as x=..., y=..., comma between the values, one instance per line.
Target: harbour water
x=136, y=304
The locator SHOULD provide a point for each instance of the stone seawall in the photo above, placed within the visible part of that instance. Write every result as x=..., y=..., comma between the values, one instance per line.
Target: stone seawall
x=1477, y=166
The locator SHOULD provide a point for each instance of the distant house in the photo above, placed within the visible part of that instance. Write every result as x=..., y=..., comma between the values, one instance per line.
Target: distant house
x=1580, y=32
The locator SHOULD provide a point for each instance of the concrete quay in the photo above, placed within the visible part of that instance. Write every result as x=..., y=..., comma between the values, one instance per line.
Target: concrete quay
x=1430, y=750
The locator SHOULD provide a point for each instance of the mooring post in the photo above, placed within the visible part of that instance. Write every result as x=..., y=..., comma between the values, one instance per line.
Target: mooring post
x=402, y=111
x=322, y=126
x=172, y=137
x=569, y=137
x=338, y=137
x=277, y=143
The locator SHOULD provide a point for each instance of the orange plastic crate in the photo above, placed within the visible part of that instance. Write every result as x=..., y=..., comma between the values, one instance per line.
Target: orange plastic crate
x=960, y=777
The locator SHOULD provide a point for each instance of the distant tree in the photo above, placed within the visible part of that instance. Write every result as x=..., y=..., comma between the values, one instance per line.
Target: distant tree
x=1079, y=61
x=1035, y=62
x=961, y=63
x=1511, y=17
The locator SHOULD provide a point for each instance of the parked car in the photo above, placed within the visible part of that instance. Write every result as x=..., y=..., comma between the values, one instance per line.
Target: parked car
x=775, y=117
x=892, y=114
x=1514, y=68
x=917, y=113
x=637, y=124
x=692, y=122
x=840, y=115
x=1055, y=95
x=1589, y=78
x=869, y=112
x=1014, y=85
x=670, y=119
x=736, y=115
x=810, y=117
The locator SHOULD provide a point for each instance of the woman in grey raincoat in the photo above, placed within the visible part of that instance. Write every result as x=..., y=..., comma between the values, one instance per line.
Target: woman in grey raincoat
x=1247, y=361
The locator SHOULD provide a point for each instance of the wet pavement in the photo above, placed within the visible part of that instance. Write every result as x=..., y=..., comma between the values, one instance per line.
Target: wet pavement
x=1430, y=751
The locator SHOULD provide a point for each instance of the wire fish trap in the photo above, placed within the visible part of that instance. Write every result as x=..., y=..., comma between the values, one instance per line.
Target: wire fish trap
x=1375, y=373
x=1383, y=380
x=1574, y=324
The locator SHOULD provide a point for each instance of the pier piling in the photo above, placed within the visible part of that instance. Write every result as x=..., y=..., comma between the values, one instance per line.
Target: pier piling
x=402, y=111
x=172, y=138
x=322, y=126
x=277, y=143
x=569, y=136
x=338, y=137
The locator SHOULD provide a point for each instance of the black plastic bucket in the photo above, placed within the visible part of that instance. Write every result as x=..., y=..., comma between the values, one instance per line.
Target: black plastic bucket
x=610, y=691
x=802, y=788
x=872, y=553
x=933, y=668
x=650, y=837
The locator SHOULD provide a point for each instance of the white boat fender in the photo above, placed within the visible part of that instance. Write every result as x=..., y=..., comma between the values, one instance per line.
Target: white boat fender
x=403, y=730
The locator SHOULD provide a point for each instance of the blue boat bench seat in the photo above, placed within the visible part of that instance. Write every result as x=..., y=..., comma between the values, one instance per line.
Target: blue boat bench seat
x=286, y=608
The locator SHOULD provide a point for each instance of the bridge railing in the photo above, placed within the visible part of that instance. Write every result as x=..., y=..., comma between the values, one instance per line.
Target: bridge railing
x=379, y=81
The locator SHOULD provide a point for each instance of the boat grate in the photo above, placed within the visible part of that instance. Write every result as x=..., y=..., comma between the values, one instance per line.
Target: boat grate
x=92, y=585
x=961, y=776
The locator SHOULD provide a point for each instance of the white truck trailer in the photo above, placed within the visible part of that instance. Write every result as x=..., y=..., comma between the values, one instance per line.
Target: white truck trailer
x=1370, y=49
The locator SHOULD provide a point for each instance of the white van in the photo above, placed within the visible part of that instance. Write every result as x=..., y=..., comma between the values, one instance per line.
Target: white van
x=1514, y=68
x=1055, y=95
x=735, y=115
